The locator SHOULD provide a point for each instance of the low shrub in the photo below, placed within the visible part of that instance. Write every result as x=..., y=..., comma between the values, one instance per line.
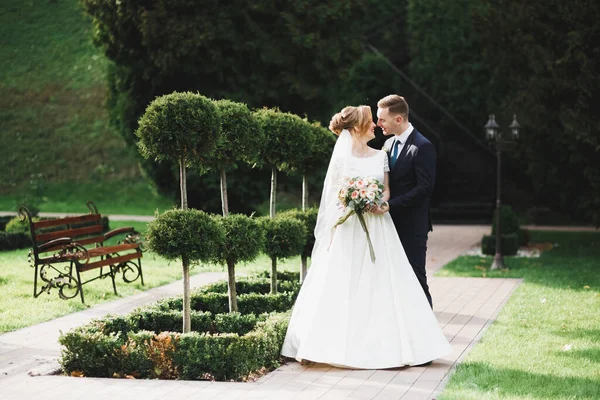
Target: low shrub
x=92, y=353
x=14, y=241
x=524, y=236
x=254, y=285
x=281, y=275
x=169, y=355
x=4, y=221
x=509, y=222
x=510, y=244
x=147, y=343
x=218, y=303
x=18, y=225
x=230, y=356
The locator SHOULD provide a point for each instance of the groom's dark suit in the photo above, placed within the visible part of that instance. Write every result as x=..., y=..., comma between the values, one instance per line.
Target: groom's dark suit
x=411, y=183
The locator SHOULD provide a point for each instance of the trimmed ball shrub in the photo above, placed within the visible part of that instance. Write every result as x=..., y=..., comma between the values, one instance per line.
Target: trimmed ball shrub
x=243, y=241
x=309, y=218
x=189, y=235
x=182, y=128
x=284, y=237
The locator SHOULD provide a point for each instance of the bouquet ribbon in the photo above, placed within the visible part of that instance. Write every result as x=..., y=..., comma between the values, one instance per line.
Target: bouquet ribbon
x=363, y=224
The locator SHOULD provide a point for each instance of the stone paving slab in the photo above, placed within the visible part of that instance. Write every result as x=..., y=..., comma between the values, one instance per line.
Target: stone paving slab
x=465, y=307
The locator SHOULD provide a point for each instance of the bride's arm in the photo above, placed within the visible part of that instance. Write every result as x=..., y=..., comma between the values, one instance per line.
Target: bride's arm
x=385, y=207
x=386, y=186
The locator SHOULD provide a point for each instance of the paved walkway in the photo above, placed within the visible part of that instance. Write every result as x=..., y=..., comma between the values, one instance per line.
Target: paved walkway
x=464, y=307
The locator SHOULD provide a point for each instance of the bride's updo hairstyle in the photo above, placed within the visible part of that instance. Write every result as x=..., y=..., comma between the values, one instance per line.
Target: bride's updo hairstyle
x=355, y=119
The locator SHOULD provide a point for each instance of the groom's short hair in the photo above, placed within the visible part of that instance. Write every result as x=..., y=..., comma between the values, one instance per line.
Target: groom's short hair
x=395, y=104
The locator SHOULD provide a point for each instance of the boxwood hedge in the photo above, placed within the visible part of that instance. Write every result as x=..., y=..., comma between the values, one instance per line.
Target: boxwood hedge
x=148, y=343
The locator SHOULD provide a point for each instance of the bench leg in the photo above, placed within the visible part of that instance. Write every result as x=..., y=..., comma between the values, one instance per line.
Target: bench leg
x=112, y=276
x=141, y=274
x=35, y=280
x=79, y=285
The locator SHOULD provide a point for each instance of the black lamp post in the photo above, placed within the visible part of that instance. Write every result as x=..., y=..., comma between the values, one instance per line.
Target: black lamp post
x=494, y=136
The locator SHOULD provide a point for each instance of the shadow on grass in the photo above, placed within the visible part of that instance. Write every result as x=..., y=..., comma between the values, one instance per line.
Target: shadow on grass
x=591, y=354
x=485, y=378
x=579, y=334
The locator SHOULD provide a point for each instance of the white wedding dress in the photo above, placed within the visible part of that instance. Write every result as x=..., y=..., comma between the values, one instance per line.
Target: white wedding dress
x=354, y=313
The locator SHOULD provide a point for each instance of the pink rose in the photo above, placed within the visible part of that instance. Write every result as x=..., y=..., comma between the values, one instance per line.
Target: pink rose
x=354, y=194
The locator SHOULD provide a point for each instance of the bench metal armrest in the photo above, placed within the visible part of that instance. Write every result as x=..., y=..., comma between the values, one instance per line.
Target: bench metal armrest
x=119, y=231
x=56, y=242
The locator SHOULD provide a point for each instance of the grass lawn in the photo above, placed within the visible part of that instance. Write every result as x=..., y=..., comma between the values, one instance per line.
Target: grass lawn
x=136, y=197
x=545, y=343
x=57, y=144
x=18, y=307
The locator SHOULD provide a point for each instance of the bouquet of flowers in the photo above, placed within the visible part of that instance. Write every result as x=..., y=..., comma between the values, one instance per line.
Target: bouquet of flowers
x=356, y=196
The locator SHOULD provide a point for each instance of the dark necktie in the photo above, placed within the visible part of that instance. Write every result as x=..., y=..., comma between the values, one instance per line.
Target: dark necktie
x=395, y=152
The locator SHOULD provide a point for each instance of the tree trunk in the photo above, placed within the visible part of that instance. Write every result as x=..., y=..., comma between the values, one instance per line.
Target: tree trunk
x=231, y=286
x=187, y=322
x=224, y=202
x=273, y=275
x=304, y=192
x=273, y=191
x=303, y=268
x=183, y=184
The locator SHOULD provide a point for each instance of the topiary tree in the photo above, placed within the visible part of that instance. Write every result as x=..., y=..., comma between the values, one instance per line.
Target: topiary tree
x=284, y=237
x=181, y=127
x=321, y=146
x=287, y=140
x=244, y=239
x=190, y=235
x=241, y=140
x=309, y=218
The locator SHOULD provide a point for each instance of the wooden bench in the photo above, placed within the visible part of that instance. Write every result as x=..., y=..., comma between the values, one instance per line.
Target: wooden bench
x=64, y=248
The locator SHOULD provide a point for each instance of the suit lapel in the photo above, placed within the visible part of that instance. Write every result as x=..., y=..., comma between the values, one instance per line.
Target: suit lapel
x=408, y=143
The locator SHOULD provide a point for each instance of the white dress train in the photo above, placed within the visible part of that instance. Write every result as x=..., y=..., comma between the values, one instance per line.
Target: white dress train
x=354, y=313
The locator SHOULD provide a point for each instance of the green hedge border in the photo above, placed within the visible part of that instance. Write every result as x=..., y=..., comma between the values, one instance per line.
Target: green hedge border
x=223, y=346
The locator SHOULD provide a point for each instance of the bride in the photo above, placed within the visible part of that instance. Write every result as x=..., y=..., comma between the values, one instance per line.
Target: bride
x=352, y=311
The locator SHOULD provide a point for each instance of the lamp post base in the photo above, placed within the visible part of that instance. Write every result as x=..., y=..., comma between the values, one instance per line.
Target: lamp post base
x=498, y=262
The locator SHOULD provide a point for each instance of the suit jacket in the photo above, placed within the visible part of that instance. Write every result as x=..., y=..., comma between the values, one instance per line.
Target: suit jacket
x=411, y=183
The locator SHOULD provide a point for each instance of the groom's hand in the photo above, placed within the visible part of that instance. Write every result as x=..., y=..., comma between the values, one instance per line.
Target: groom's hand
x=385, y=207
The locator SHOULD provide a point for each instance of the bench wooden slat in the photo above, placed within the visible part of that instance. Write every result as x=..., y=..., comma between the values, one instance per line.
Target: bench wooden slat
x=95, y=253
x=90, y=240
x=72, y=233
x=111, y=261
x=67, y=220
x=102, y=251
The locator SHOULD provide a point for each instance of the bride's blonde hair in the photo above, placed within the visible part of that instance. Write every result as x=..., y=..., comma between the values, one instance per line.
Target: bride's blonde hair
x=355, y=119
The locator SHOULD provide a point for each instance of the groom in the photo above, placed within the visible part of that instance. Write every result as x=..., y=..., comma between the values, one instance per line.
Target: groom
x=412, y=160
